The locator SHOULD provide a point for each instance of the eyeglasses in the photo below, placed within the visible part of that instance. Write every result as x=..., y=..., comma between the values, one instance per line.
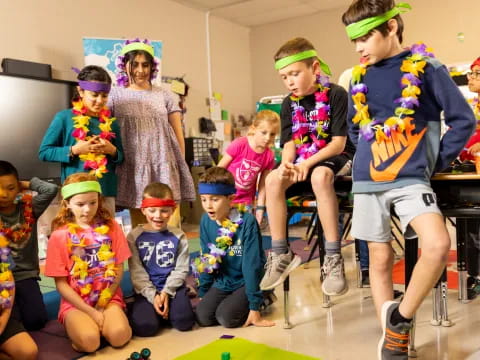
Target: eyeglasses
x=473, y=74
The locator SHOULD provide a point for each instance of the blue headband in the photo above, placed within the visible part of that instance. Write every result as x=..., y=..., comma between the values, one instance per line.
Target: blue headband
x=216, y=189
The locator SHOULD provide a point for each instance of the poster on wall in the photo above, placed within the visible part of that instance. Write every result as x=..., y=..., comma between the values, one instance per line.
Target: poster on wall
x=104, y=52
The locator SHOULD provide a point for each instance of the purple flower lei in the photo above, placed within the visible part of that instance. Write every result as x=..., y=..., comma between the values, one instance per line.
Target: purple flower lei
x=311, y=136
x=104, y=281
x=409, y=83
x=209, y=262
x=122, y=76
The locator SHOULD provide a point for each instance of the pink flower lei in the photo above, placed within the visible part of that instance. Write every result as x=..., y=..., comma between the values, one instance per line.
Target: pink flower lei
x=311, y=136
x=410, y=83
x=122, y=76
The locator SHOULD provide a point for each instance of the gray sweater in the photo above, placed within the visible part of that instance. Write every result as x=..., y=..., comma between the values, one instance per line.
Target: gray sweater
x=159, y=261
x=25, y=253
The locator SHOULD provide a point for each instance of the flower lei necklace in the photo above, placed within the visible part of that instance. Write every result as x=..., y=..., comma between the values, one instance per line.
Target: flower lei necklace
x=208, y=263
x=476, y=108
x=96, y=162
x=21, y=231
x=7, y=282
x=410, y=81
x=95, y=292
x=310, y=136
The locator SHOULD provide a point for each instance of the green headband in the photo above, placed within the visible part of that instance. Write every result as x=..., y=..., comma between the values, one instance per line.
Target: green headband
x=138, y=46
x=280, y=64
x=80, y=188
x=363, y=27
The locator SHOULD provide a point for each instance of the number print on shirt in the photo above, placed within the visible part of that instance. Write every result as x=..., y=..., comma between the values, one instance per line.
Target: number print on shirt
x=163, y=256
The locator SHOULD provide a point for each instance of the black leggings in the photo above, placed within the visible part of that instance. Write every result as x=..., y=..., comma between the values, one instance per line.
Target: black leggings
x=229, y=309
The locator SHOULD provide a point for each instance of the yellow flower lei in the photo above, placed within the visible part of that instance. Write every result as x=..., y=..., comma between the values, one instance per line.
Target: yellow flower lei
x=91, y=292
x=411, y=66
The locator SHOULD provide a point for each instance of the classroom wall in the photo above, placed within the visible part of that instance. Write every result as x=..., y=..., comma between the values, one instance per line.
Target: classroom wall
x=50, y=31
x=433, y=22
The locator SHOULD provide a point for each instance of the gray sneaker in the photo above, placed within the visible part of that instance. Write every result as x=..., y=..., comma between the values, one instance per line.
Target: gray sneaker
x=277, y=269
x=334, y=282
x=394, y=343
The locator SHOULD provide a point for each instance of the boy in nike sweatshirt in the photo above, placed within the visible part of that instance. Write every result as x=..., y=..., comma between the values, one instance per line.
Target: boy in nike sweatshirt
x=397, y=96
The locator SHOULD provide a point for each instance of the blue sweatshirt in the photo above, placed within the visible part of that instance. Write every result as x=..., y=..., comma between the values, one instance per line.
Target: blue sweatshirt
x=245, y=267
x=416, y=154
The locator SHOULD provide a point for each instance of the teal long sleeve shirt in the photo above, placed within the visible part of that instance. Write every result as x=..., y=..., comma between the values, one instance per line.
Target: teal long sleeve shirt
x=243, y=268
x=58, y=139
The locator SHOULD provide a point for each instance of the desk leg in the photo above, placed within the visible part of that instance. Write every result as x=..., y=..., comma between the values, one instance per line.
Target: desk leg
x=462, y=236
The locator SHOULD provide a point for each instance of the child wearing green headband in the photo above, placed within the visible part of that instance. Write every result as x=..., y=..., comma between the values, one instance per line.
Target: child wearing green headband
x=151, y=125
x=315, y=149
x=397, y=95
x=86, y=254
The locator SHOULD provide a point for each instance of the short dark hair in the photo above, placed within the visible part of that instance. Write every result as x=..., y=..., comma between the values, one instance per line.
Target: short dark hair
x=94, y=73
x=362, y=9
x=217, y=175
x=295, y=46
x=158, y=190
x=7, y=168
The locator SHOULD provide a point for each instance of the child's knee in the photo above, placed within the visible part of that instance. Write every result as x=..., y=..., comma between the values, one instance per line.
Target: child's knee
x=118, y=336
x=144, y=326
x=322, y=177
x=183, y=322
x=87, y=341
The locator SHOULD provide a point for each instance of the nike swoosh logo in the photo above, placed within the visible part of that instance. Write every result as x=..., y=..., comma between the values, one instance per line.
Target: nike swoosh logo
x=391, y=171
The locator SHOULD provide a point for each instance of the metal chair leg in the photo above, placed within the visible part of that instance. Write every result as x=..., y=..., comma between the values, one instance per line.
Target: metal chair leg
x=286, y=314
x=412, y=352
x=357, y=263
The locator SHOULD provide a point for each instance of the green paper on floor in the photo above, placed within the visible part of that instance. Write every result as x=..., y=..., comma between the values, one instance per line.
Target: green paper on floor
x=241, y=349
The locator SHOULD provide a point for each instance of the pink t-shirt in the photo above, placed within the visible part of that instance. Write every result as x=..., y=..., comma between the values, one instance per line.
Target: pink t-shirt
x=245, y=166
x=59, y=263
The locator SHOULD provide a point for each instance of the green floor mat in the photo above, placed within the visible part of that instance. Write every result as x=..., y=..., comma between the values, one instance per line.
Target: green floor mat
x=241, y=349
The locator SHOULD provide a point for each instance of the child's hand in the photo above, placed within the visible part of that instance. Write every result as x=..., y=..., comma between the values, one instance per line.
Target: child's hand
x=474, y=148
x=103, y=147
x=84, y=147
x=254, y=318
x=301, y=172
x=24, y=185
x=160, y=304
x=286, y=171
x=98, y=317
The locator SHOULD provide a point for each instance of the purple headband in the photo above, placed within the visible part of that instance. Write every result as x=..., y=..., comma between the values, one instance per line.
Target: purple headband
x=94, y=86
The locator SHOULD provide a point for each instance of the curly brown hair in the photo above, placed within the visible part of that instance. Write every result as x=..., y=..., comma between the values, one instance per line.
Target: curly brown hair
x=65, y=216
x=217, y=175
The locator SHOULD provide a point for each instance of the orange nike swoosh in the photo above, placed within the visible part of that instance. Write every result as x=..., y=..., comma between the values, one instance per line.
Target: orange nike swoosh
x=391, y=171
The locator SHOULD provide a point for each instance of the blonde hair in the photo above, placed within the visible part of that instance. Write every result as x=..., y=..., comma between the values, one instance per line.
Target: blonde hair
x=65, y=215
x=269, y=116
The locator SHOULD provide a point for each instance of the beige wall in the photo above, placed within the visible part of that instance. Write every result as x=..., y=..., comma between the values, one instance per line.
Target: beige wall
x=434, y=22
x=51, y=31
